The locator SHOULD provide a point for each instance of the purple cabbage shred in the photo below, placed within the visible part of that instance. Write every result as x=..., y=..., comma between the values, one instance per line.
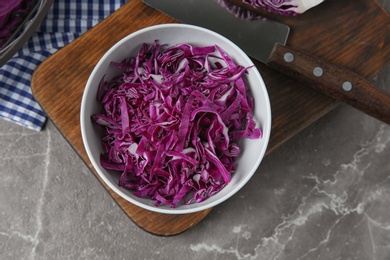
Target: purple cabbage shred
x=13, y=19
x=172, y=120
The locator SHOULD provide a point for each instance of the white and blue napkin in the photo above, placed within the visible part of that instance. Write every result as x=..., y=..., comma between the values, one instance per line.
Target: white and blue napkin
x=65, y=21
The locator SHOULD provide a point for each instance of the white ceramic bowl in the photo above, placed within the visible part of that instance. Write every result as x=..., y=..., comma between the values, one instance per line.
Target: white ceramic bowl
x=252, y=151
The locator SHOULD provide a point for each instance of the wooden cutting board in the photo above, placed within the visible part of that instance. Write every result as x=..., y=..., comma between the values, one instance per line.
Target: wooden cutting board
x=350, y=33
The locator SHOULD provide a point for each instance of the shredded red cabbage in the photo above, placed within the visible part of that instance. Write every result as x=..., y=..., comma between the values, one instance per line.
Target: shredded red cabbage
x=172, y=120
x=12, y=14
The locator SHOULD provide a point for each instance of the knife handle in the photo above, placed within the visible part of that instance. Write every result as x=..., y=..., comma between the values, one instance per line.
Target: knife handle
x=333, y=81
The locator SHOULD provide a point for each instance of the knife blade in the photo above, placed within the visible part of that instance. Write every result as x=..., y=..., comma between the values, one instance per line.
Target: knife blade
x=265, y=41
x=248, y=35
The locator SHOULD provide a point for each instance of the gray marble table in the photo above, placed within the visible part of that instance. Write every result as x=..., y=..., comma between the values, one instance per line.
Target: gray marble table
x=325, y=194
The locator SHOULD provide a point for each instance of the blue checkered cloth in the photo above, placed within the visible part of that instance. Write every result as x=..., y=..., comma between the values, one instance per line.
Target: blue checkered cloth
x=65, y=21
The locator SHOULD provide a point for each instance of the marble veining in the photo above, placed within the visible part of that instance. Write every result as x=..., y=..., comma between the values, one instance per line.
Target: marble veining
x=43, y=156
x=324, y=194
x=333, y=200
x=308, y=200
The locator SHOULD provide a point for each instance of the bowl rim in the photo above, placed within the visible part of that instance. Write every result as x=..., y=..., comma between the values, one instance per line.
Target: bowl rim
x=266, y=124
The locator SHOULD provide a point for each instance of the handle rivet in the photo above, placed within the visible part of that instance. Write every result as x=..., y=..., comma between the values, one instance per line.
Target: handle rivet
x=288, y=57
x=318, y=72
x=347, y=86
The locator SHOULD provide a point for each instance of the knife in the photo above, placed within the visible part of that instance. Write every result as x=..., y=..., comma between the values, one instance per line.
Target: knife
x=265, y=41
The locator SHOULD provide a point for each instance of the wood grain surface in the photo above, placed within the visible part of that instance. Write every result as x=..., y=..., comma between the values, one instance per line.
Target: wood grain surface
x=336, y=31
